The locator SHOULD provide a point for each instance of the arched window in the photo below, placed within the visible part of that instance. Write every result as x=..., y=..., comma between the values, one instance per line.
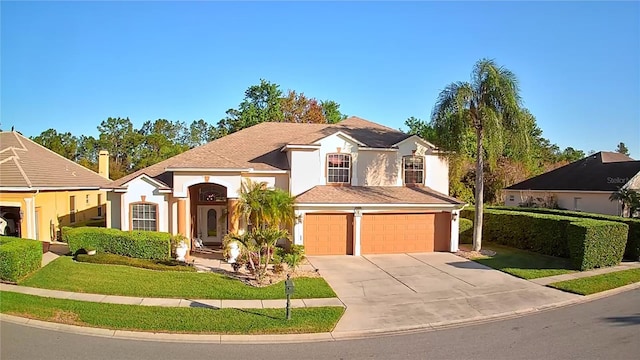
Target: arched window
x=212, y=223
x=413, y=170
x=212, y=193
x=338, y=168
x=144, y=216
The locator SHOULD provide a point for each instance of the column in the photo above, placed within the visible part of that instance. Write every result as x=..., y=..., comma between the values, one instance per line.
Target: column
x=455, y=229
x=182, y=217
x=357, y=217
x=29, y=218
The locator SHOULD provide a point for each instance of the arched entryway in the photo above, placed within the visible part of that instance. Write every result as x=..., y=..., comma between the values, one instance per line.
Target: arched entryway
x=209, y=212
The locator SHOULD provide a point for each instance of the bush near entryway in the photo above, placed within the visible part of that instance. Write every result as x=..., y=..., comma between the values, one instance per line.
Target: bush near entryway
x=135, y=244
x=19, y=257
x=632, y=250
x=589, y=243
x=466, y=231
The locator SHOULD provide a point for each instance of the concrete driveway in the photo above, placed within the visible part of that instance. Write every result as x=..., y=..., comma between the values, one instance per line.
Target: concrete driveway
x=405, y=291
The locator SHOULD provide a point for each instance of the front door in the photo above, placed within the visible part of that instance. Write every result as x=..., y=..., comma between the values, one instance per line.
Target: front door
x=211, y=224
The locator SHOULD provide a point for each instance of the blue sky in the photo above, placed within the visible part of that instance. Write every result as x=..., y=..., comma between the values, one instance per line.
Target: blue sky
x=70, y=65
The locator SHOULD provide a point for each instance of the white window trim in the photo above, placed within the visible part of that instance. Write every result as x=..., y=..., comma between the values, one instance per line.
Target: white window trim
x=339, y=168
x=404, y=169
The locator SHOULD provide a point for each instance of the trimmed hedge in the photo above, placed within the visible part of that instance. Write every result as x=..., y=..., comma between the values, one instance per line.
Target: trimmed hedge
x=632, y=250
x=589, y=243
x=466, y=231
x=19, y=257
x=135, y=244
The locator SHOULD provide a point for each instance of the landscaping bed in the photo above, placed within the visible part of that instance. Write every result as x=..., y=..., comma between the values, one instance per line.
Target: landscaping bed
x=169, y=319
x=520, y=263
x=67, y=275
x=113, y=259
x=594, y=284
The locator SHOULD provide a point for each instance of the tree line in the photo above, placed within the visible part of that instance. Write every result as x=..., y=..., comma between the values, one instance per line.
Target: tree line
x=133, y=148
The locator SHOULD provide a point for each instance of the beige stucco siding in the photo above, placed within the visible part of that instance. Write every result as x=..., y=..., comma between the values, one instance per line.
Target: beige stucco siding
x=378, y=168
x=305, y=170
x=594, y=202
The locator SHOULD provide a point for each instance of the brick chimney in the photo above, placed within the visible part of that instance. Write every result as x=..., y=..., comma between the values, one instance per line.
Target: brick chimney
x=103, y=163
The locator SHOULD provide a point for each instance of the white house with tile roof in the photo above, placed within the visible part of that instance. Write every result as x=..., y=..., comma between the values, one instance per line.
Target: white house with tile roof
x=360, y=187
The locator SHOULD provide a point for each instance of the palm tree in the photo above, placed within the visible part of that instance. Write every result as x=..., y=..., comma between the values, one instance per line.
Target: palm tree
x=488, y=106
x=626, y=197
x=251, y=201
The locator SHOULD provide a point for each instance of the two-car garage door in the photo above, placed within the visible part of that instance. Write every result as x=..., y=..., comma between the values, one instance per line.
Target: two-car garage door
x=332, y=234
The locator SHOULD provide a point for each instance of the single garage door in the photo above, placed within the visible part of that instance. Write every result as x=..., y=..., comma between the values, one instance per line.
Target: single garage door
x=405, y=233
x=328, y=234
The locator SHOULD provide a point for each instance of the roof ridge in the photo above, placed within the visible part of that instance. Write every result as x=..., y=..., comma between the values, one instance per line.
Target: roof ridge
x=24, y=175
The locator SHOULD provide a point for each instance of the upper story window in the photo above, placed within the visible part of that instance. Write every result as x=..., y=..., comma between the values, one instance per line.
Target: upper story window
x=413, y=169
x=144, y=217
x=338, y=168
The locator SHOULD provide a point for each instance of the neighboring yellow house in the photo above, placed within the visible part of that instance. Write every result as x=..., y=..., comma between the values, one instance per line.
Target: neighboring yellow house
x=41, y=191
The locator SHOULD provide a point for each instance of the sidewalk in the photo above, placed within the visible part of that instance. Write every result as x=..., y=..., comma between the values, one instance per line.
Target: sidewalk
x=577, y=275
x=169, y=302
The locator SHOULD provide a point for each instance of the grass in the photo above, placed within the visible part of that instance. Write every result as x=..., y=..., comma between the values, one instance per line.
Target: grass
x=67, y=275
x=594, y=284
x=524, y=264
x=169, y=319
x=113, y=259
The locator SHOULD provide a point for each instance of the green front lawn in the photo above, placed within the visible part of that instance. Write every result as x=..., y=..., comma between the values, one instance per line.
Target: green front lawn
x=67, y=275
x=169, y=319
x=594, y=284
x=523, y=264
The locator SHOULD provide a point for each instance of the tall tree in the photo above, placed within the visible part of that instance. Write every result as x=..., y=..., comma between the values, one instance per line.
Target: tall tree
x=490, y=106
x=64, y=144
x=331, y=111
x=160, y=140
x=118, y=136
x=421, y=128
x=200, y=132
x=261, y=103
x=570, y=154
x=297, y=108
x=622, y=149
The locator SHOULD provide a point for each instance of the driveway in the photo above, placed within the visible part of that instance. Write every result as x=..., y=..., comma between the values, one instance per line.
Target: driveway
x=405, y=291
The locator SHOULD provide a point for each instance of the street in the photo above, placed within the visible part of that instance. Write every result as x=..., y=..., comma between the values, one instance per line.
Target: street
x=608, y=328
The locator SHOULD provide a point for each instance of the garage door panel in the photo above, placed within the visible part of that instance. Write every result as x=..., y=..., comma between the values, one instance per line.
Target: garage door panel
x=328, y=234
x=401, y=233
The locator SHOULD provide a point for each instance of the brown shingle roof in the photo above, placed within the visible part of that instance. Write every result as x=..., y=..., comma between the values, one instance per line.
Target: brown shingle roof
x=602, y=171
x=26, y=164
x=258, y=147
x=323, y=194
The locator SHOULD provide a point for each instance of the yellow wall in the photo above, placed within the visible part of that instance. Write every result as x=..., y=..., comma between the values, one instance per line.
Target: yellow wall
x=53, y=208
x=16, y=199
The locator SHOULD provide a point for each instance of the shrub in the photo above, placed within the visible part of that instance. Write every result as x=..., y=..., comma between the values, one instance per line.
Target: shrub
x=113, y=259
x=294, y=256
x=466, y=231
x=19, y=257
x=596, y=243
x=136, y=244
x=632, y=249
x=589, y=243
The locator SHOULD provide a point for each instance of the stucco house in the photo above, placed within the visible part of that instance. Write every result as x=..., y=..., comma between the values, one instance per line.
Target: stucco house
x=41, y=191
x=360, y=188
x=583, y=185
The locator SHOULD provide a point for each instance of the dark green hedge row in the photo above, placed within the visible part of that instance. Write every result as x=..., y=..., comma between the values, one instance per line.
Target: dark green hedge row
x=465, y=231
x=589, y=243
x=19, y=257
x=632, y=250
x=135, y=244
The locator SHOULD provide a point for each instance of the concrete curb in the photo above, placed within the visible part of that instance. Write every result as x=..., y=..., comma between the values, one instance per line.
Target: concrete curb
x=298, y=338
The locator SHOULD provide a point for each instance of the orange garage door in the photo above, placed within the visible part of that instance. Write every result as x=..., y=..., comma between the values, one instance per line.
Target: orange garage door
x=328, y=234
x=403, y=233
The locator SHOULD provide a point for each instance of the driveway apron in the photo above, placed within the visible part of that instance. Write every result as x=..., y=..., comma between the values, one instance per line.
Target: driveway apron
x=405, y=291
